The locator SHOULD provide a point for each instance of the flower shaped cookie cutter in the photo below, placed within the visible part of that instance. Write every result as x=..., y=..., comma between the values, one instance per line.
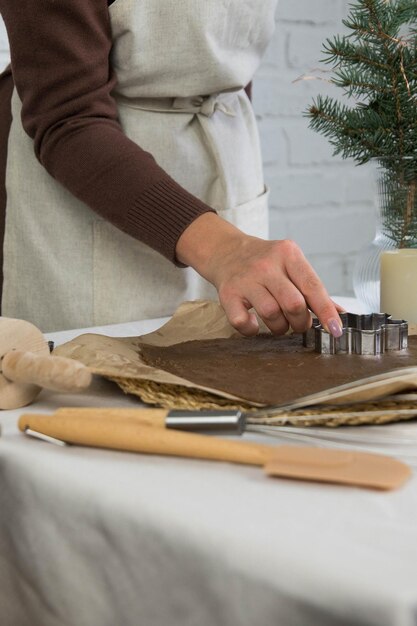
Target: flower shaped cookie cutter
x=369, y=334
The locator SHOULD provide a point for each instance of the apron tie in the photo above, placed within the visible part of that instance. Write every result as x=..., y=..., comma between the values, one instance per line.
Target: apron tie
x=206, y=105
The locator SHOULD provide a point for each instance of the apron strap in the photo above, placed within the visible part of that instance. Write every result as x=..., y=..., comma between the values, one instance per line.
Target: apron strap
x=204, y=105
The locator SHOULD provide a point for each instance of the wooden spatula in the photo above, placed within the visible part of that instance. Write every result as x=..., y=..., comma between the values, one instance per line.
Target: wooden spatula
x=305, y=463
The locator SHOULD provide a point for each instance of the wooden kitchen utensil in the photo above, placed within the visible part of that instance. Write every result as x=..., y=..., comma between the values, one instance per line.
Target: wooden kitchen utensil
x=27, y=366
x=305, y=463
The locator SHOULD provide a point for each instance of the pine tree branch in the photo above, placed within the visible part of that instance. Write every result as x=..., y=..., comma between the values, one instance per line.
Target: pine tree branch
x=349, y=138
x=341, y=52
x=355, y=86
x=377, y=64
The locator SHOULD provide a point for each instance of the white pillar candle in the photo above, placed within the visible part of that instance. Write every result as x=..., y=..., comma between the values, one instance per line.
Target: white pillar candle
x=399, y=283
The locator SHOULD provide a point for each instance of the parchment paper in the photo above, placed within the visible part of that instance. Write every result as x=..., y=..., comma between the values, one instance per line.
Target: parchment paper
x=121, y=360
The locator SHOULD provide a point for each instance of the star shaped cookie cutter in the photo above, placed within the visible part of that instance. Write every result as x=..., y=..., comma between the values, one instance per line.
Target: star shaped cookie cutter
x=369, y=334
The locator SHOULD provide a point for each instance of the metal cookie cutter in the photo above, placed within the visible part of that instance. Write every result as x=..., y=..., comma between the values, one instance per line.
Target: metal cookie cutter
x=371, y=334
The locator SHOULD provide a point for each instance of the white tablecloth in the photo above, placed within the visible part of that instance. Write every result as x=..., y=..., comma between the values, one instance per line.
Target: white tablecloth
x=99, y=538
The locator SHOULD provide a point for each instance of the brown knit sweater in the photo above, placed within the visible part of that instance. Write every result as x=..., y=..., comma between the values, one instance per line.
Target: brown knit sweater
x=60, y=66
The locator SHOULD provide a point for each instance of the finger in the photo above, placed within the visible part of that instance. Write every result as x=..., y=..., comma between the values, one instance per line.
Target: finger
x=268, y=310
x=309, y=284
x=238, y=314
x=293, y=305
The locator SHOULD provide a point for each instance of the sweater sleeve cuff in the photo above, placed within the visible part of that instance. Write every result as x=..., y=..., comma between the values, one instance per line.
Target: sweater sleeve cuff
x=161, y=214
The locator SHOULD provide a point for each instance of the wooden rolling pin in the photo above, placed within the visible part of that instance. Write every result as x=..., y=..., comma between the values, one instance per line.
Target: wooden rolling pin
x=27, y=366
x=306, y=463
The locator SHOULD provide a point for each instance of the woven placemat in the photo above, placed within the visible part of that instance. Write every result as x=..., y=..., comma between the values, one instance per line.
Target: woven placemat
x=375, y=413
x=176, y=396
x=356, y=414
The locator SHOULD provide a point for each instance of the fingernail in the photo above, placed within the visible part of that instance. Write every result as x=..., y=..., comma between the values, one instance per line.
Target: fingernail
x=335, y=328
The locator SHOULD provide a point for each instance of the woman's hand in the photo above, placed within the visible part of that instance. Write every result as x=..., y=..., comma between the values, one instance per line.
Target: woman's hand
x=272, y=277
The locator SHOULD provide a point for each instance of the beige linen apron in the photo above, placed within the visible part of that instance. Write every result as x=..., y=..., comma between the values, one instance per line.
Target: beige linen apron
x=181, y=67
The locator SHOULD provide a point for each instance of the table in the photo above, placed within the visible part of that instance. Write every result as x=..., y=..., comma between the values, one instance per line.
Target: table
x=99, y=538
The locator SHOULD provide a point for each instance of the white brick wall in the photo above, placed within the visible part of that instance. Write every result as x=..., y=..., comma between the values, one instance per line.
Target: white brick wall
x=323, y=203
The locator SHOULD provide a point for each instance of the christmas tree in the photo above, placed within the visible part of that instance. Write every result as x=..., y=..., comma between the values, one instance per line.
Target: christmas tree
x=375, y=65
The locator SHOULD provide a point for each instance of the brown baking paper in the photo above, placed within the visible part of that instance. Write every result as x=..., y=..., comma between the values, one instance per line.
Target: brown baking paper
x=120, y=360
x=154, y=366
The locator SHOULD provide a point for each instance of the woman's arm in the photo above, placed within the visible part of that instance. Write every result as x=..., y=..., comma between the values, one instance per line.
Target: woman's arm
x=60, y=61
